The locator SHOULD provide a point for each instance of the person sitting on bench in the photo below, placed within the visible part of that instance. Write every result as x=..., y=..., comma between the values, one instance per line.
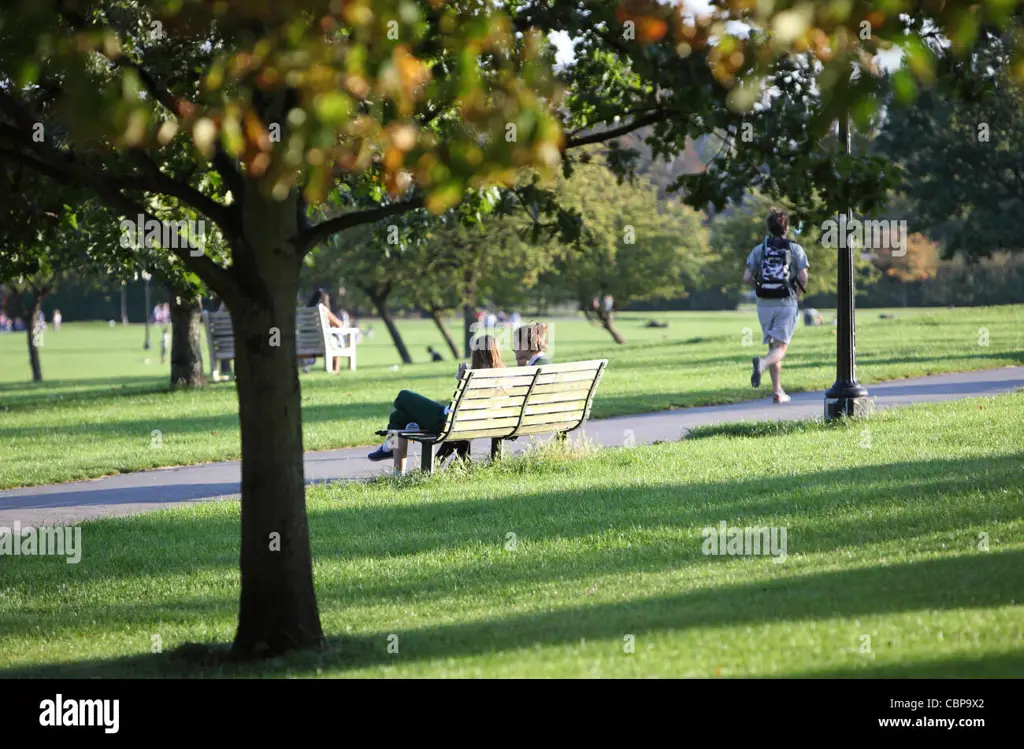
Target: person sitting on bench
x=530, y=344
x=322, y=297
x=413, y=411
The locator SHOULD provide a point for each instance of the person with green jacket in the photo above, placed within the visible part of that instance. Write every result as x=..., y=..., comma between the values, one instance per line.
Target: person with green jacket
x=412, y=411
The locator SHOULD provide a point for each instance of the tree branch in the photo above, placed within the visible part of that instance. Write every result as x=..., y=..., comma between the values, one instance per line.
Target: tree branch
x=159, y=181
x=218, y=278
x=313, y=235
x=183, y=108
x=574, y=141
x=66, y=169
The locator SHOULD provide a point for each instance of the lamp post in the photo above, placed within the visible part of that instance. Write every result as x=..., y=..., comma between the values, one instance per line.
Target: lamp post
x=846, y=397
x=124, y=303
x=146, y=276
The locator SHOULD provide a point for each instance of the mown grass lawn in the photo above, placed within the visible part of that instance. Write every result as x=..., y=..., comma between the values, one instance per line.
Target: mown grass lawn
x=104, y=410
x=905, y=557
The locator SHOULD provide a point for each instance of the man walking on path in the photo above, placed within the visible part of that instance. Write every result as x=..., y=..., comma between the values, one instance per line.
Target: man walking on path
x=777, y=269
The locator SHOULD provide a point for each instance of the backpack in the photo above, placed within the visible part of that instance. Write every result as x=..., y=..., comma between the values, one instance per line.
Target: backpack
x=775, y=278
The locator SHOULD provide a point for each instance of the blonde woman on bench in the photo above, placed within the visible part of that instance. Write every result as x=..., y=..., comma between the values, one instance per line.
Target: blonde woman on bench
x=530, y=344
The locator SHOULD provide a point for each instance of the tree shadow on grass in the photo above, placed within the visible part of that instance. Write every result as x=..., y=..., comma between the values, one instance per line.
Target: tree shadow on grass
x=763, y=429
x=968, y=581
x=26, y=396
x=845, y=497
x=853, y=508
x=188, y=425
x=962, y=665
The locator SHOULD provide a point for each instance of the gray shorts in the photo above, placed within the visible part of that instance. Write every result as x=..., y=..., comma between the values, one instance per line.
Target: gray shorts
x=778, y=323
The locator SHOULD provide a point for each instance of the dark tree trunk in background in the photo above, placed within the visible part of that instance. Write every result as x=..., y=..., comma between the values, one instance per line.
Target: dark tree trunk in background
x=605, y=316
x=380, y=303
x=35, y=329
x=278, y=609
x=468, y=311
x=468, y=320
x=435, y=315
x=186, y=343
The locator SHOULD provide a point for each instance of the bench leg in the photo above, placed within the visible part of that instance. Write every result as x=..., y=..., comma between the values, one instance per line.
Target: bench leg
x=352, y=361
x=427, y=459
x=496, y=449
x=561, y=437
x=401, y=453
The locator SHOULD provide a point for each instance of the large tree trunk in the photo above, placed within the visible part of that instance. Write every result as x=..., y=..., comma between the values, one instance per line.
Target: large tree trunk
x=435, y=315
x=35, y=337
x=380, y=303
x=186, y=343
x=278, y=609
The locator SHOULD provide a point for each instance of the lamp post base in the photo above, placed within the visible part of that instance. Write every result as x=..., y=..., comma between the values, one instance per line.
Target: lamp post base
x=847, y=406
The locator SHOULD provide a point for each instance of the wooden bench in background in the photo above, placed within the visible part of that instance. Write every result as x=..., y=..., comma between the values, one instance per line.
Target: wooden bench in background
x=501, y=404
x=313, y=337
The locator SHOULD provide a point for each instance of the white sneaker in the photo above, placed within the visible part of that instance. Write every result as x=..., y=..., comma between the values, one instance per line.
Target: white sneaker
x=781, y=398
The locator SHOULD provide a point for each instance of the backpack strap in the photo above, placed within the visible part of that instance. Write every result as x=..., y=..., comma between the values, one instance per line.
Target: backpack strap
x=764, y=250
x=795, y=273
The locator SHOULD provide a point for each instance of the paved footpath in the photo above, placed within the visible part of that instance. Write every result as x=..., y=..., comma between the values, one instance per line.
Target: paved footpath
x=132, y=493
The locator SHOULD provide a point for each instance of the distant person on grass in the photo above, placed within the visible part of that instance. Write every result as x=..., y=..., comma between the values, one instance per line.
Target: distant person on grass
x=415, y=412
x=812, y=317
x=165, y=345
x=777, y=269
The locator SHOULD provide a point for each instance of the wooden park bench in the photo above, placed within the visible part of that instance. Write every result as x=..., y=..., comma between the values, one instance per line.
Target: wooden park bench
x=502, y=404
x=313, y=337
